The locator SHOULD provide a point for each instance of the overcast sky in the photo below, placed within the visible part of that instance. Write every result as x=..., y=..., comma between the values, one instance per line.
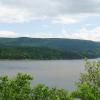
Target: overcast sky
x=78, y=19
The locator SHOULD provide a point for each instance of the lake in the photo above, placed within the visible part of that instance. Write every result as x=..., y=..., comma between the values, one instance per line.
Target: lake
x=53, y=73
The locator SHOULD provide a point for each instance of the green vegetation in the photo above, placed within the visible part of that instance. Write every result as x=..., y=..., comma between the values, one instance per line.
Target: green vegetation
x=50, y=48
x=88, y=88
x=19, y=87
x=35, y=53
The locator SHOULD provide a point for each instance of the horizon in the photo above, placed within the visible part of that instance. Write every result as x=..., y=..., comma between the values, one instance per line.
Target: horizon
x=50, y=19
x=48, y=38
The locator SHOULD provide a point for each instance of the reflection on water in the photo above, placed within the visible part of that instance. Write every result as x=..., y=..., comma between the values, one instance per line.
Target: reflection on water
x=55, y=73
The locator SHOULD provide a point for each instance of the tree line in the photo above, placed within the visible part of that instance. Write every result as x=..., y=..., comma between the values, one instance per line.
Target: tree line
x=41, y=53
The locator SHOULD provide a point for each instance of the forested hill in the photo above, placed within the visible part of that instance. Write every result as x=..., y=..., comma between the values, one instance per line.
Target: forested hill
x=47, y=48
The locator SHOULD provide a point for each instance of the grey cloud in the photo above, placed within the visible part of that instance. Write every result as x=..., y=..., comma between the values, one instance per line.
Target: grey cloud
x=55, y=7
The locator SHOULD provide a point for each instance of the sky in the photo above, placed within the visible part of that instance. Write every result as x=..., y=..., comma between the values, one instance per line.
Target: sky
x=75, y=19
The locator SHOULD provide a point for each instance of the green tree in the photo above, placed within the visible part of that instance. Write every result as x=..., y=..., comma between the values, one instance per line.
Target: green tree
x=43, y=92
x=88, y=88
x=19, y=88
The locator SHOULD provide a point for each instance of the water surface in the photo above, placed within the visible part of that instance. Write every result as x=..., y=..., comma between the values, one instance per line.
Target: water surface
x=54, y=73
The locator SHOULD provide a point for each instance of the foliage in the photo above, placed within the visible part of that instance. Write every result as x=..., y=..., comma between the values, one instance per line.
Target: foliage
x=45, y=93
x=19, y=88
x=35, y=53
x=88, y=88
x=16, y=89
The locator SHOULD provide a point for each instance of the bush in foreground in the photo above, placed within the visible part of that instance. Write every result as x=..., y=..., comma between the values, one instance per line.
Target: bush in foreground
x=88, y=88
x=19, y=88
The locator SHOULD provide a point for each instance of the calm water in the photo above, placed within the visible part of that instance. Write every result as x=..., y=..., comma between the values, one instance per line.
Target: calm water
x=54, y=73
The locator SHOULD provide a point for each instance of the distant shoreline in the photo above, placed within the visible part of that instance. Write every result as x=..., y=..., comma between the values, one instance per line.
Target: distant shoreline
x=44, y=59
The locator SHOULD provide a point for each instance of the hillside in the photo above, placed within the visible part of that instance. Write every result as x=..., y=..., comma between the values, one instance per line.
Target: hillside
x=47, y=48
